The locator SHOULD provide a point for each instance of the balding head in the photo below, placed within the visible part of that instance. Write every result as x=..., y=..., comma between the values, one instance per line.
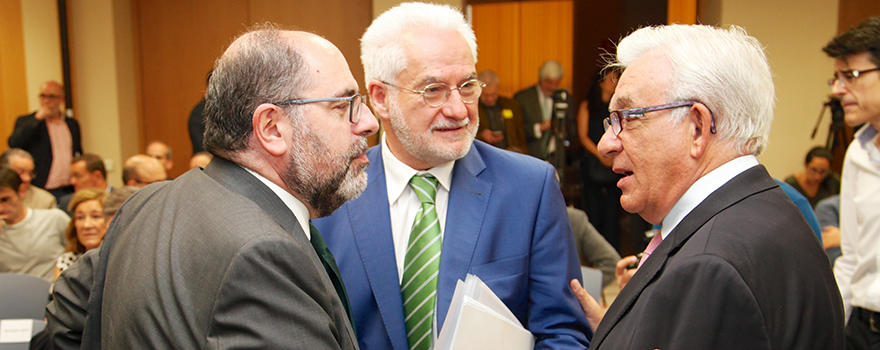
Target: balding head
x=162, y=153
x=140, y=170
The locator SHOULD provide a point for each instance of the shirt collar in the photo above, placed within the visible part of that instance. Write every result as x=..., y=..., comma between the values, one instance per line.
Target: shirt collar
x=298, y=209
x=866, y=139
x=702, y=188
x=398, y=174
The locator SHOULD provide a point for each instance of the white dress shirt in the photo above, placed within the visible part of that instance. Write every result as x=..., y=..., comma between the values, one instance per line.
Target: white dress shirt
x=403, y=203
x=296, y=207
x=858, y=270
x=702, y=188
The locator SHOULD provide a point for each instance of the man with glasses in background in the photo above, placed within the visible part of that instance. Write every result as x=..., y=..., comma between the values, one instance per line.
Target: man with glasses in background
x=51, y=138
x=856, y=83
x=439, y=205
x=734, y=266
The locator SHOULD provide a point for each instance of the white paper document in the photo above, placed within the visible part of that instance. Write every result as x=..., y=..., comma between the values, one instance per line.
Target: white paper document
x=478, y=319
x=16, y=331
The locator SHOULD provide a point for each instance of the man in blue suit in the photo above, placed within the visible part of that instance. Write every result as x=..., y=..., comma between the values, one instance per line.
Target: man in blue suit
x=500, y=214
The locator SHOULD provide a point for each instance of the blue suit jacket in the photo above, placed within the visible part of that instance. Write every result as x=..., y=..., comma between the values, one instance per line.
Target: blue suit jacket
x=506, y=223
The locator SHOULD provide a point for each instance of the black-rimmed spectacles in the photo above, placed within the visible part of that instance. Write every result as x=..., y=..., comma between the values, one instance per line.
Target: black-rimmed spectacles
x=615, y=120
x=847, y=77
x=437, y=94
x=354, y=104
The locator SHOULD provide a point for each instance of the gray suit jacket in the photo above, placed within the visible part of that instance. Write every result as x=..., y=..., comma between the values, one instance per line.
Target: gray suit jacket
x=213, y=260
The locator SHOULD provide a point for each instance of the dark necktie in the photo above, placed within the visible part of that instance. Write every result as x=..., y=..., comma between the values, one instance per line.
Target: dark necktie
x=330, y=265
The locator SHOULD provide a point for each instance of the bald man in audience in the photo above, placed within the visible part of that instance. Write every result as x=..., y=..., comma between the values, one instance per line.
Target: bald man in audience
x=22, y=163
x=162, y=153
x=140, y=170
x=200, y=160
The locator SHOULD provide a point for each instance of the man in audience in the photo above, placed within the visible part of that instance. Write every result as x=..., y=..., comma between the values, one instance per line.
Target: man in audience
x=238, y=266
x=51, y=138
x=541, y=106
x=501, y=120
x=734, y=266
x=498, y=215
x=140, y=170
x=200, y=160
x=86, y=171
x=856, y=83
x=30, y=239
x=162, y=153
x=22, y=163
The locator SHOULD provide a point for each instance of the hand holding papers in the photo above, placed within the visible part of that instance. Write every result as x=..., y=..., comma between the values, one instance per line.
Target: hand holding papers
x=478, y=319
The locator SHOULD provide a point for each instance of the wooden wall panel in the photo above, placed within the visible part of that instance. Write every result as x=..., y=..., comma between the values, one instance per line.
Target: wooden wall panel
x=514, y=38
x=179, y=41
x=681, y=11
x=498, y=41
x=13, y=82
x=546, y=34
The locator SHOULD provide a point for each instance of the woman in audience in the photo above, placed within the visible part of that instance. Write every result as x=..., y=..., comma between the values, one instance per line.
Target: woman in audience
x=816, y=181
x=86, y=229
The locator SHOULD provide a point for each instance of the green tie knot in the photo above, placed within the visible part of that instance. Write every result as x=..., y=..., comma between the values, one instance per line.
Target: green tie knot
x=425, y=187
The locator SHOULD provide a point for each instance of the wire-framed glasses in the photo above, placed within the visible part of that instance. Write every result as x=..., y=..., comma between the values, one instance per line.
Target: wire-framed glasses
x=616, y=119
x=354, y=104
x=436, y=94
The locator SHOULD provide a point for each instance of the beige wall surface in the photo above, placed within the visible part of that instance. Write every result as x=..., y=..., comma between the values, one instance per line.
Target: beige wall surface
x=793, y=32
x=42, y=46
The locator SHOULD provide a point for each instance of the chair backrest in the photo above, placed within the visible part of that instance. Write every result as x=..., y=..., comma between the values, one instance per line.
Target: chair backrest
x=592, y=282
x=23, y=296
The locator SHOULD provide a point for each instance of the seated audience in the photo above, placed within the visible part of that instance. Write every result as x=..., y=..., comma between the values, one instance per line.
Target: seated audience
x=86, y=171
x=501, y=120
x=30, y=239
x=816, y=181
x=86, y=228
x=592, y=248
x=200, y=160
x=140, y=170
x=162, y=153
x=22, y=163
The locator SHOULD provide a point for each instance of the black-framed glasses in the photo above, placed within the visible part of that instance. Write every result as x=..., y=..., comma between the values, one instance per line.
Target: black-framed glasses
x=615, y=120
x=847, y=77
x=354, y=104
x=436, y=94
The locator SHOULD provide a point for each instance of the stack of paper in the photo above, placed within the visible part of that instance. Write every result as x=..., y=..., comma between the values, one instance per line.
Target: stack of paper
x=478, y=319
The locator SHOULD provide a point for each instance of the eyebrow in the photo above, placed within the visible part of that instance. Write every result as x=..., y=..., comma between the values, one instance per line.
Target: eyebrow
x=347, y=93
x=432, y=79
x=625, y=102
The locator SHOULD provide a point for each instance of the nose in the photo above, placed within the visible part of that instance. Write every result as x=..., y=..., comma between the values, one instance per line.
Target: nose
x=609, y=144
x=838, y=89
x=367, y=125
x=454, y=107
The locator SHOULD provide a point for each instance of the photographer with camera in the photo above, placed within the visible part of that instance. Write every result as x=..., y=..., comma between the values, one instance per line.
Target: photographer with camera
x=546, y=113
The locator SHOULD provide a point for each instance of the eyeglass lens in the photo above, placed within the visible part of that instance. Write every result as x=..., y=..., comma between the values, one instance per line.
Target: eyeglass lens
x=354, y=109
x=438, y=93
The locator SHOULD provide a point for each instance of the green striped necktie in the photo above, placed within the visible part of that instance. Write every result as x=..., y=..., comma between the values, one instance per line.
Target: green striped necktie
x=421, y=266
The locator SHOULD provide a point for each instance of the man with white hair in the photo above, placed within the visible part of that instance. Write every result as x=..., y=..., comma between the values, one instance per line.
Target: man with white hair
x=735, y=266
x=542, y=105
x=439, y=205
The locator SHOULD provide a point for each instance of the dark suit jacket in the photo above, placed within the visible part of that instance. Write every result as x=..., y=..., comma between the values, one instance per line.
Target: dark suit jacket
x=514, y=128
x=506, y=223
x=214, y=260
x=32, y=135
x=741, y=271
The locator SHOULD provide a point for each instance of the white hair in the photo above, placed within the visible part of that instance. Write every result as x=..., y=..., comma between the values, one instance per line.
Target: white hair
x=551, y=69
x=725, y=69
x=382, y=52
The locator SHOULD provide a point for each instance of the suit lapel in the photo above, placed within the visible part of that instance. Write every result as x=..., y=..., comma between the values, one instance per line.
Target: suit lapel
x=749, y=182
x=371, y=227
x=468, y=202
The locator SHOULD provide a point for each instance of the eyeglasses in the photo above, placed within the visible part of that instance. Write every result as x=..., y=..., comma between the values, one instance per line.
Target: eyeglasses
x=354, y=104
x=49, y=97
x=847, y=77
x=615, y=120
x=820, y=172
x=437, y=94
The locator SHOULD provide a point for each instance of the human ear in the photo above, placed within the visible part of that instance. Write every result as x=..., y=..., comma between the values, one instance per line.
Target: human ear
x=378, y=98
x=702, y=128
x=270, y=125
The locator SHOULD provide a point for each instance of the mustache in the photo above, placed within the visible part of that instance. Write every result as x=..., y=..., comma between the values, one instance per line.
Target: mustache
x=358, y=148
x=451, y=124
